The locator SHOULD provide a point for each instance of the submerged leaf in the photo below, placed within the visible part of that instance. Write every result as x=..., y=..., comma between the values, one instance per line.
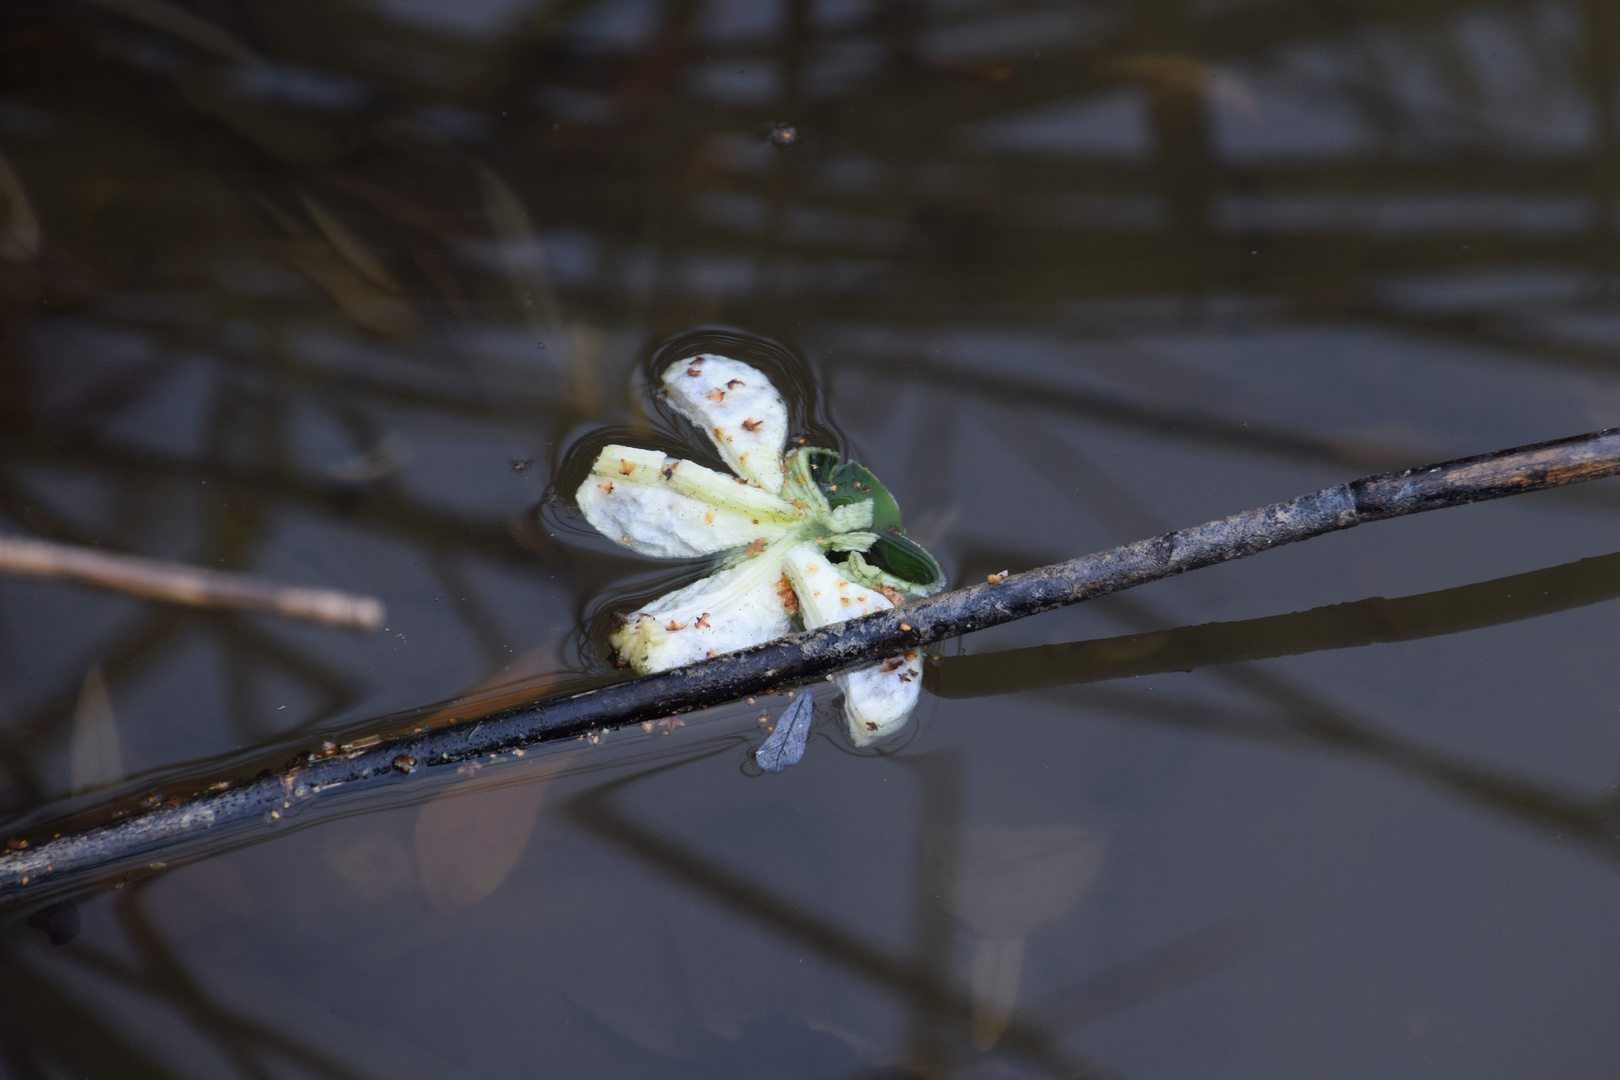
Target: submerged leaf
x=348, y=245
x=20, y=240
x=996, y=971
x=95, y=758
x=376, y=865
x=786, y=745
x=467, y=842
x=1011, y=882
x=370, y=307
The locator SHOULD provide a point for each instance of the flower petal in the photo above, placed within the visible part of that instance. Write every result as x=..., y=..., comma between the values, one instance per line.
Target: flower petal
x=629, y=464
x=733, y=609
x=878, y=699
x=738, y=408
x=654, y=520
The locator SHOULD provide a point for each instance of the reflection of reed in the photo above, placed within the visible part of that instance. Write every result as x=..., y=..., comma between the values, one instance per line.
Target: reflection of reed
x=46, y=1025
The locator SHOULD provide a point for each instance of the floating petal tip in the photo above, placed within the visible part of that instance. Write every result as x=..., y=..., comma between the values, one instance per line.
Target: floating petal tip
x=736, y=406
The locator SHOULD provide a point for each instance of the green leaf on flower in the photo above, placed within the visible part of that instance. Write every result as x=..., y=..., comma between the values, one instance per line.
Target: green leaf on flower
x=897, y=562
x=847, y=482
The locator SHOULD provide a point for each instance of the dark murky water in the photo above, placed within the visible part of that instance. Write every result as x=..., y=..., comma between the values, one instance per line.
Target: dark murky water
x=328, y=292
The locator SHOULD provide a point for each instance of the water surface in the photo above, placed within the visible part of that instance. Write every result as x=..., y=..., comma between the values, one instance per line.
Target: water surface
x=335, y=293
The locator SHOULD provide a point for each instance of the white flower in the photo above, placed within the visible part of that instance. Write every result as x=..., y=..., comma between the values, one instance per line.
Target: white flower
x=773, y=524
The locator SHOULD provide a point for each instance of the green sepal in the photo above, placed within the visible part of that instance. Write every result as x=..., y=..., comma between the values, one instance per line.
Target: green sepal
x=845, y=482
x=897, y=562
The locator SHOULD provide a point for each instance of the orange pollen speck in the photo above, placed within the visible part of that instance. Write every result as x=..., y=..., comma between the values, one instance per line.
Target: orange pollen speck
x=734, y=383
x=625, y=467
x=756, y=546
x=905, y=626
x=785, y=593
x=753, y=425
x=702, y=621
x=717, y=394
x=607, y=487
x=673, y=626
x=709, y=517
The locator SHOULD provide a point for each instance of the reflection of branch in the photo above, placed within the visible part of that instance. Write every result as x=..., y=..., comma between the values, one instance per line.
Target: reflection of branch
x=1371, y=621
x=799, y=658
x=190, y=585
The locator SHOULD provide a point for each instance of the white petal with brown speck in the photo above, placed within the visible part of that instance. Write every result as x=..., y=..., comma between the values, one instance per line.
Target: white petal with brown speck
x=879, y=698
x=738, y=408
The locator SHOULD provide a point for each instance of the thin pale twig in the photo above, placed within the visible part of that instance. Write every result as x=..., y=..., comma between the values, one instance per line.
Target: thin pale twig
x=177, y=583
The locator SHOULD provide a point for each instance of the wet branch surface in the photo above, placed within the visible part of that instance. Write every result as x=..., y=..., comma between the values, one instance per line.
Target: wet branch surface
x=320, y=775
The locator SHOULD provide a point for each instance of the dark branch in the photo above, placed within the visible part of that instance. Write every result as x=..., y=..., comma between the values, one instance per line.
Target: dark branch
x=800, y=658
